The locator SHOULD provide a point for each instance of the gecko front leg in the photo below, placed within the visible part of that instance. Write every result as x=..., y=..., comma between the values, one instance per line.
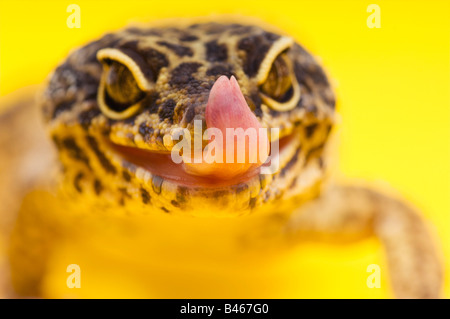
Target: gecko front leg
x=352, y=213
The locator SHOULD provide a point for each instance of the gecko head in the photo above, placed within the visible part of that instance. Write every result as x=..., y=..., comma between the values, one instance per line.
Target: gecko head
x=123, y=113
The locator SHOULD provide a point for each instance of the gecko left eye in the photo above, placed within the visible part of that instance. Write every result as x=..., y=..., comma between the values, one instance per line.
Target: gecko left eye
x=280, y=90
x=279, y=81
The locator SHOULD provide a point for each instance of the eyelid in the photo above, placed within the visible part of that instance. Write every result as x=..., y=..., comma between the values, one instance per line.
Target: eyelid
x=131, y=63
x=285, y=106
x=279, y=79
x=116, y=55
x=133, y=109
x=277, y=48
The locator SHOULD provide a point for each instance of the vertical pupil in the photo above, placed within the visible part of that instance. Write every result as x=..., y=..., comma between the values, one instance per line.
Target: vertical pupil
x=120, y=84
x=279, y=80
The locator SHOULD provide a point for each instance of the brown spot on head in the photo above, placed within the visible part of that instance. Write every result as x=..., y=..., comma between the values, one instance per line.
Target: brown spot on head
x=220, y=69
x=189, y=114
x=151, y=102
x=133, y=45
x=188, y=38
x=183, y=74
x=146, y=131
x=179, y=50
x=256, y=47
x=216, y=52
x=166, y=110
x=155, y=60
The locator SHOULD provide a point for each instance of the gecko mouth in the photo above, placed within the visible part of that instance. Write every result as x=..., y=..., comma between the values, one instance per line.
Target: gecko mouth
x=241, y=145
x=161, y=164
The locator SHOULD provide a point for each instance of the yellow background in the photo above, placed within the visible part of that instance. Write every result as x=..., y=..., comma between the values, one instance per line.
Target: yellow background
x=392, y=83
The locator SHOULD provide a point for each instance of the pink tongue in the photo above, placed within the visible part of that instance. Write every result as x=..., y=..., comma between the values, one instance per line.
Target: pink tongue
x=227, y=108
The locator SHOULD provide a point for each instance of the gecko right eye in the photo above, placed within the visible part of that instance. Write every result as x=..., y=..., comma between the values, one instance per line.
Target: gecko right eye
x=121, y=89
x=122, y=86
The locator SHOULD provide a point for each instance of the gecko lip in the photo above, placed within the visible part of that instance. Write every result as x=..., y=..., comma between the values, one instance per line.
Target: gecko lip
x=161, y=164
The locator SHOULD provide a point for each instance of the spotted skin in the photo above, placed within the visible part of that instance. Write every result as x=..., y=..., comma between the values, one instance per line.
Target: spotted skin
x=181, y=72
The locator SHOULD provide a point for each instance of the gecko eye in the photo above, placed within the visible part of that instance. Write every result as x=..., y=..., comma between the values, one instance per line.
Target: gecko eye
x=123, y=88
x=278, y=82
x=280, y=90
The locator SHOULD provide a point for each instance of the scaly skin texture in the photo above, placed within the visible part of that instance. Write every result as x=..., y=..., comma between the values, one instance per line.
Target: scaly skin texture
x=172, y=69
